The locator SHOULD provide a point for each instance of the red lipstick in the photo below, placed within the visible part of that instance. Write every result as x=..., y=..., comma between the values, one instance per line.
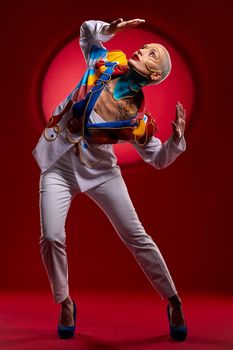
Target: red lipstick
x=135, y=57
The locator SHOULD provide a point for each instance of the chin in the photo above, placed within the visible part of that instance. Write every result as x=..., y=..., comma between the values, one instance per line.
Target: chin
x=132, y=63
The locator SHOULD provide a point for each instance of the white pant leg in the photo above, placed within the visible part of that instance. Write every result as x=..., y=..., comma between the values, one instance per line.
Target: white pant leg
x=113, y=198
x=56, y=193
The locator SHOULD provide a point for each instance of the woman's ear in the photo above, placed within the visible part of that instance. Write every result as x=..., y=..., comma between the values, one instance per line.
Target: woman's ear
x=155, y=76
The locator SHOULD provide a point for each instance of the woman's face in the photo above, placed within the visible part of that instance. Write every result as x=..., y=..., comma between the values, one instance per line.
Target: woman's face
x=147, y=60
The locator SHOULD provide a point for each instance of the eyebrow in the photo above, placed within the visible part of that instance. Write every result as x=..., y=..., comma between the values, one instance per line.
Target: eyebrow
x=154, y=50
x=151, y=47
x=158, y=54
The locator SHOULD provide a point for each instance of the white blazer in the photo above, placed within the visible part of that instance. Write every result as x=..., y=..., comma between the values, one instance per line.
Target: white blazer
x=47, y=153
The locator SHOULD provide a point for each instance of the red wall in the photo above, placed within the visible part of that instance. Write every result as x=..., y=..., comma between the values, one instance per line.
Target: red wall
x=186, y=208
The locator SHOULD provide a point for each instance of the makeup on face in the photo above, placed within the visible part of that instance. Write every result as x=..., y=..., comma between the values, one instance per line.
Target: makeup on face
x=149, y=54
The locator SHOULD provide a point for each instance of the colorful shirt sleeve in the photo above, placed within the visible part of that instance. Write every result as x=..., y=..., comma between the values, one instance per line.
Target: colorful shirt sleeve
x=91, y=39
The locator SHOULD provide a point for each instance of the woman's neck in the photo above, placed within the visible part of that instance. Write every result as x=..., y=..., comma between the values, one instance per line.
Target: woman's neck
x=129, y=84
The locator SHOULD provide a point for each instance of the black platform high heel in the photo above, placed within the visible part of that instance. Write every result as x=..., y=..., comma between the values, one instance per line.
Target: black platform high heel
x=66, y=332
x=176, y=332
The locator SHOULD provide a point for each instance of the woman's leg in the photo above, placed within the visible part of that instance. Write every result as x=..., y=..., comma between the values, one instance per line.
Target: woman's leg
x=55, y=198
x=113, y=198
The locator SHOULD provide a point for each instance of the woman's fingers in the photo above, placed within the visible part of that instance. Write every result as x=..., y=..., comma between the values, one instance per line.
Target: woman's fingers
x=133, y=22
x=119, y=24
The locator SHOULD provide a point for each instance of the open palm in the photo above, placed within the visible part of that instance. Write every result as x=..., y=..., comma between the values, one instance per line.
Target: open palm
x=119, y=24
x=178, y=125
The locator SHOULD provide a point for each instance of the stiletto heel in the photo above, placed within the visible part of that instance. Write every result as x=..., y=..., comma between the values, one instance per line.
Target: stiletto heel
x=176, y=332
x=66, y=332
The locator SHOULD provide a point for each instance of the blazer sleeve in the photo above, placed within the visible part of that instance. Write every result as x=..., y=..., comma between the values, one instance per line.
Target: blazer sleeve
x=160, y=155
x=91, y=36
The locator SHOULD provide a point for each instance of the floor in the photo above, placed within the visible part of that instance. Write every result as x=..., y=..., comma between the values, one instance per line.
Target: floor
x=117, y=321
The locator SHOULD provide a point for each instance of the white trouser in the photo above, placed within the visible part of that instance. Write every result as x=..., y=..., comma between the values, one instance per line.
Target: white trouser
x=56, y=194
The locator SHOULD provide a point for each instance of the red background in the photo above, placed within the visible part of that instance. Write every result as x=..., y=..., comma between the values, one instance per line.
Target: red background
x=186, y=208
x=67, y=67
